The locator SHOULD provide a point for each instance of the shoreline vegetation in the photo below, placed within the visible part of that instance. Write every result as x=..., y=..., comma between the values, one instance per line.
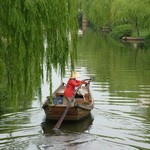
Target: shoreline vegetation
x=125, y=32
x=124, y=18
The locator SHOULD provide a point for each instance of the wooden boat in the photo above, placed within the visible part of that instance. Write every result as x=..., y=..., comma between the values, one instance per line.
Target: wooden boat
x=79, y=109
x=133, y=39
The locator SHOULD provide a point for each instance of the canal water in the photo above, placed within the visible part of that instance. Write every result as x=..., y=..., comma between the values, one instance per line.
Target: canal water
x=120, y=87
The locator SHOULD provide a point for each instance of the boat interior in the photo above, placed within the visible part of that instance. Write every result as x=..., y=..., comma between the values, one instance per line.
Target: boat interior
x=82, y=97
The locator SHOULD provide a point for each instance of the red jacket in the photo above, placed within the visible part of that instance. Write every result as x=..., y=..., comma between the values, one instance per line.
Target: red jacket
x=70, y=87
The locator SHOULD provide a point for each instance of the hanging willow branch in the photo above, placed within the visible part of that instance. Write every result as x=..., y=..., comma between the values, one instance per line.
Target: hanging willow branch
x=24, y=27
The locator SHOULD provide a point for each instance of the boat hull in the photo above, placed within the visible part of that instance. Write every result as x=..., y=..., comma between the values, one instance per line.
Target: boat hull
x=74, y=113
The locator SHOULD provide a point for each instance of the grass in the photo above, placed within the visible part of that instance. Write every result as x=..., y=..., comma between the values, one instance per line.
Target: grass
x=145, y=33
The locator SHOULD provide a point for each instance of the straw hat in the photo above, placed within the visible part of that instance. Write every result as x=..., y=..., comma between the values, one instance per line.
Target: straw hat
x=74, y=74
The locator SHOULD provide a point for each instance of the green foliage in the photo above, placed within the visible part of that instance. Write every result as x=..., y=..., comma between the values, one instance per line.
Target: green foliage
x=135, y=12
x=116, y=12
x=143, y=33
x=24, y=27
x=97, y=11
x=121, y=30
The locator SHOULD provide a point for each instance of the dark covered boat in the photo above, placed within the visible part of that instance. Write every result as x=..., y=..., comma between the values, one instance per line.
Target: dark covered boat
x=79, y=109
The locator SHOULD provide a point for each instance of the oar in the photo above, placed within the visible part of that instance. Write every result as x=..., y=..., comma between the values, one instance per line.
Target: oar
x=58, y=124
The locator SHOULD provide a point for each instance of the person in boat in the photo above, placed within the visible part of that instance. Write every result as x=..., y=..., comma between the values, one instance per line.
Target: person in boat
x=72, y=84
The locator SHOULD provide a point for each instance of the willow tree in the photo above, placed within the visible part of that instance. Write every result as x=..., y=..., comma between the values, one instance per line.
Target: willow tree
x=135, y=12
x=97, y=11
x=116, y=12
x=25, y=25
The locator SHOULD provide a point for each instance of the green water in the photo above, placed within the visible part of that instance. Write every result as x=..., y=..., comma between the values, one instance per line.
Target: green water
x=121, y=92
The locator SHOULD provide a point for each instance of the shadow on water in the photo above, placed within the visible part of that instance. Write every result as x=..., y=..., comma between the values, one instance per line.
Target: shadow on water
x=67, y=126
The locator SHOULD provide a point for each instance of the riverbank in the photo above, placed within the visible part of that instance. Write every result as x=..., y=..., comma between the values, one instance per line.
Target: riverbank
x=126, y=33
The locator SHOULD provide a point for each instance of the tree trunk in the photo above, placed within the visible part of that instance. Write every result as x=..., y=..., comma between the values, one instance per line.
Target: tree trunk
x=133, y=24
x=137, y=26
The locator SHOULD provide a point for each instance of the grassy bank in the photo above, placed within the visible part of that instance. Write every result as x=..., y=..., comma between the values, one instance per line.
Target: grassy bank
x=126, y=30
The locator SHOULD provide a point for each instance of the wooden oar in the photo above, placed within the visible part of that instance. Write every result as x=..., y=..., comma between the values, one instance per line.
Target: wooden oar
x=58, y=124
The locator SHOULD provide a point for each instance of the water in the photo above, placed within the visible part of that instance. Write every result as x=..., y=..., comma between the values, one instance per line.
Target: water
x=121, y=91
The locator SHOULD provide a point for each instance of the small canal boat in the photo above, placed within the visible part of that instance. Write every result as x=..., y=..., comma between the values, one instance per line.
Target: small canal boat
x=133, y=39
x=80, y=107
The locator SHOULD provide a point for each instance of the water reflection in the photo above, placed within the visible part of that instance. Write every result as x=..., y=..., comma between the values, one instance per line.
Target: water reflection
x=135, y=44
x=121, y=89
x=123, y=69
x=68, y=126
